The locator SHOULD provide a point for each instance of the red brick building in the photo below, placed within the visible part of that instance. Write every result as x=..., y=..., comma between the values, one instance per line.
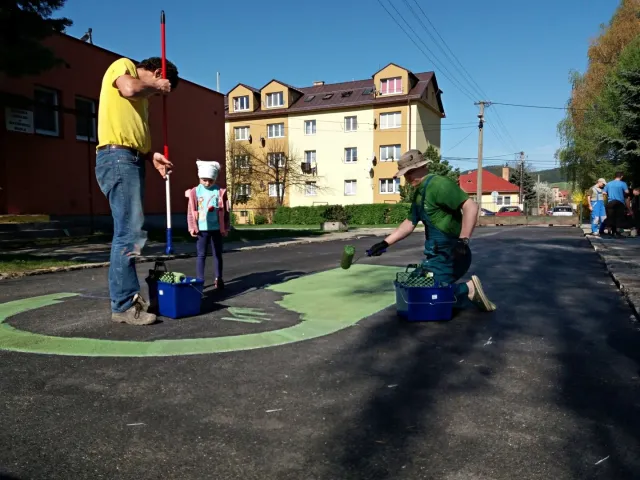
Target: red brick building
x=48, y=137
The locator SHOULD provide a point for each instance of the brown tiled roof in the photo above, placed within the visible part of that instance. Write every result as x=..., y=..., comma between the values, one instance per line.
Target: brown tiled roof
x=356, y=98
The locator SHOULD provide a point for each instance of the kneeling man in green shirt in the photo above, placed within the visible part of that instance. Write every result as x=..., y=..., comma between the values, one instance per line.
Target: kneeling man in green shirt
x=449, y=217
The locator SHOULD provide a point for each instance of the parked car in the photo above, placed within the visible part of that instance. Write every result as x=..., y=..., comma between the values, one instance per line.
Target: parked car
x=562, y=211
x=485, y=212
x=513, y=211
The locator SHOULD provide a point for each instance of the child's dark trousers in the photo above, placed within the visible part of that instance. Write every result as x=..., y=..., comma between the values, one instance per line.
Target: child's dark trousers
x=213, y=237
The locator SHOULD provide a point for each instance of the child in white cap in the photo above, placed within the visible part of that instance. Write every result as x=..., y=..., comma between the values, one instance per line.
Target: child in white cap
x=208, y=217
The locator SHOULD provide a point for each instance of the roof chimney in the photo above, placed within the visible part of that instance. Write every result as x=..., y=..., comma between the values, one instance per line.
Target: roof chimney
x=505, y=173
x=318, y=83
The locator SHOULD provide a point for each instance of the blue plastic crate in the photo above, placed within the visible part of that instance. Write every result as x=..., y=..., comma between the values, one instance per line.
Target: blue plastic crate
x=176, y=300
x=425, y=304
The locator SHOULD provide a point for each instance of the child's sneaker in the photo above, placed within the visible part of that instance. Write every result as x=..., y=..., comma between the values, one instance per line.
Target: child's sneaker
x=479, y=297
x=218, y=284
x=137, y=314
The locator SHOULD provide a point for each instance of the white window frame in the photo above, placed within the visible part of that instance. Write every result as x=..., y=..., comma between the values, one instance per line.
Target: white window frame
x=310, y=156
x=244, y=190
x=93, y=120
x=272, y=97
x=396, y=153
x=351, y=155
x=273, y=192
x=500, y=200
x=239, y=130
x=395, y=81
x=394, y=183
x=271, y=130
x=310, y=189
x=244, y=99
x=387, y=116
x=354, y=187
x=55, y=112
x=307, y=124
x=281, y=159
x=351, y=123
x=243, y=162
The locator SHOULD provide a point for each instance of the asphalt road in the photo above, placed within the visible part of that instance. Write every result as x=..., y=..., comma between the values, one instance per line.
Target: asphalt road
x=547, y=387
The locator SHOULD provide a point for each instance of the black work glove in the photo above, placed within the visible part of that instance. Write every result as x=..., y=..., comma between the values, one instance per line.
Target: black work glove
x=461, y=248
x=377, y=249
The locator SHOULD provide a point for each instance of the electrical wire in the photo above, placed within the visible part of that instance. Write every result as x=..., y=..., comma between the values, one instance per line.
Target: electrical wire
x=471, y=133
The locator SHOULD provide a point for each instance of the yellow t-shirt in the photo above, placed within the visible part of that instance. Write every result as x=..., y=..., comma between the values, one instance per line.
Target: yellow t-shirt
x=122, y=121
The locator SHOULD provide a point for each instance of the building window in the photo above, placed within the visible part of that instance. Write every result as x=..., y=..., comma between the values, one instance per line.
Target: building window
x=276, y=191
x=244, y=190
x=503, y=200
x=389, y=153
x=389, y=186
x=310, y=189
x=351, y=155
x=310, y=156
x=391, y=85
x=242, y=161
x=244, y=213
x=390, y=120
x=85, y=119
x=46, y=116
x=241, y=133
x=275, y=99
x=241, y=103
x=310, y=127
x=275, y=130
x=350, y=124
x=350, y=187
x=276, y=159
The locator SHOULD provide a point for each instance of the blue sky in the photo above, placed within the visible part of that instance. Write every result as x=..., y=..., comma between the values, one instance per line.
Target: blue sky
x=517, y=52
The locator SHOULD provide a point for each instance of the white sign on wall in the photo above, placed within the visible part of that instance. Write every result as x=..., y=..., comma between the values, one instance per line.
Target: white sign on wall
x=18, y=120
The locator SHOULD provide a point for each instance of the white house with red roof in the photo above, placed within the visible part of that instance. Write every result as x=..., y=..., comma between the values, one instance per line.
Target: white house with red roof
x=496, y=191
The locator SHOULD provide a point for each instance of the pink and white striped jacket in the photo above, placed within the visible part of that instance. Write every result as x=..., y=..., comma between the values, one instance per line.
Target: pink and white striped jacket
x=223, y=211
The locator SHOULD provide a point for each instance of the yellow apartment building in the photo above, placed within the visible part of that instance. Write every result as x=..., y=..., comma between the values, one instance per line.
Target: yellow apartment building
x=340, y=142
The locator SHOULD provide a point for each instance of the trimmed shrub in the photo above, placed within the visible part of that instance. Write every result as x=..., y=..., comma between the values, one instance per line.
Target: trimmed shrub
x=398, y=213
x=369, y=214
x=337, y=213
x=260, y=219
x=234, y=219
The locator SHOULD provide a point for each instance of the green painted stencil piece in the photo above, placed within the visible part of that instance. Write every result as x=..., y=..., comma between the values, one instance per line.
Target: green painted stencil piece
x=326, y=302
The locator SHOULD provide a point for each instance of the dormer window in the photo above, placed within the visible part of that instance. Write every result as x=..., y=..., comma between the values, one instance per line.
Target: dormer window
x=275, y=99
x=241, y=103
x=390, y=86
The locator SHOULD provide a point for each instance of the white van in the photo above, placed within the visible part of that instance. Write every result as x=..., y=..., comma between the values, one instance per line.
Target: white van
x=562, y=211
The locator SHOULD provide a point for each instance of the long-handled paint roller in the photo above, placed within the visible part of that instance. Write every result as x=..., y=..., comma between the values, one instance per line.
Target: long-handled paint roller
x=167, y=186
x=348, y=254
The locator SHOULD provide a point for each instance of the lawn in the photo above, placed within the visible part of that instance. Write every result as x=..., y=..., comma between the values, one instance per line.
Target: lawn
x=17, y=263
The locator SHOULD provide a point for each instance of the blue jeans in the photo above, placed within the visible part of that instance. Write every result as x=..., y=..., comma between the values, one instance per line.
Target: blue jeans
x=120, y=175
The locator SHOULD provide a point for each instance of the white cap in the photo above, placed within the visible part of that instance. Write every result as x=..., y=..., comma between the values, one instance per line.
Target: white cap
x=208, y=169
x=602, y=180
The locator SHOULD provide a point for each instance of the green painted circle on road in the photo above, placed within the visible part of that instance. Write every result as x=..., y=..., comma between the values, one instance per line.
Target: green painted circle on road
x=327, y=302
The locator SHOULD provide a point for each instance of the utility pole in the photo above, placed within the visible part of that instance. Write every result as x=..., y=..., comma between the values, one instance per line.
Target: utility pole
x=521, y=176
x=538, y=195
x=480, y=138
x=218, y=82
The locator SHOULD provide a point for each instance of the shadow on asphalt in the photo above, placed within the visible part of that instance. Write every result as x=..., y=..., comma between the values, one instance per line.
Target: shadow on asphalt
x=566, y=302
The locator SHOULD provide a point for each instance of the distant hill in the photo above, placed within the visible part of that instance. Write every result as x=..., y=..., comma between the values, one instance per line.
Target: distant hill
x=552, y=175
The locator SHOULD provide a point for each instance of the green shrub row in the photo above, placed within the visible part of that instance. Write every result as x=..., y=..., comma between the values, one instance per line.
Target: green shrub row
x=370, y=214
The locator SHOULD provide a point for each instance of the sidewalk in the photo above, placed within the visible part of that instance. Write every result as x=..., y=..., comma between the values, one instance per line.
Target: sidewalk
x=622, y=258
x=94, y=255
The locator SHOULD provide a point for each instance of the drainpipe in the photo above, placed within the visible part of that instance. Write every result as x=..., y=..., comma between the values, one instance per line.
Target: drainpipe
x=409, y=125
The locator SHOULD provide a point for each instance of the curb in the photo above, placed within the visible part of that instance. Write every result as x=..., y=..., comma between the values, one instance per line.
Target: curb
x=623, y=290
x=154, y=258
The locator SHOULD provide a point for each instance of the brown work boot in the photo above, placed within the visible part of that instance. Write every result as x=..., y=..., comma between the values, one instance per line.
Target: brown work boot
x=137, y=314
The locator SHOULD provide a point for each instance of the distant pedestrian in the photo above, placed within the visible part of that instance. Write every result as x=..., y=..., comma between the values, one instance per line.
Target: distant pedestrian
x=635, y=209
x=208, y=218
x=124, y=144
x=595, y=199
x=618, y=203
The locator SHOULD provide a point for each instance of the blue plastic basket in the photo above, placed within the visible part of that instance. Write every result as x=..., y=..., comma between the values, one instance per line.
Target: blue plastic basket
x=179, y=300
x=425, y=304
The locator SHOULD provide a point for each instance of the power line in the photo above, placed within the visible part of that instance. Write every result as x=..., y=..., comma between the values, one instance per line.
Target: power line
x=538, y=106
x=470, y=133
x=418, y=46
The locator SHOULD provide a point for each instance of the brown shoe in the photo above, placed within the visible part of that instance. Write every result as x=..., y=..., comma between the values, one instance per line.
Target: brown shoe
x=136, y=315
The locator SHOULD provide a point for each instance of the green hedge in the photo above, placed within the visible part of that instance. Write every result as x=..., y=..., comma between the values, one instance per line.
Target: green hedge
x=370, y=214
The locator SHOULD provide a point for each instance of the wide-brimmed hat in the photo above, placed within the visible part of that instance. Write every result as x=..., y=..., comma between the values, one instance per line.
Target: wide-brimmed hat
x=602, y=180
x=410, y=161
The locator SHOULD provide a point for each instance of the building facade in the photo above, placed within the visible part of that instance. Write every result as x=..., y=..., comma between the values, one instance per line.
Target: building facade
x=497, y=192
x=339, y=143
x=48, y=140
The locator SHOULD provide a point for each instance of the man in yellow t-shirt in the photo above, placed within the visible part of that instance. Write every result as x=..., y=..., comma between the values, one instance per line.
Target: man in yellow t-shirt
x=124, y=145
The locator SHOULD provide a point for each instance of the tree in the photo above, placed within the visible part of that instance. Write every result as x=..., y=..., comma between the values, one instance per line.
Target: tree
x=521, y=177
x=24, y=24
x=238, y=171
x=543, y=193
x=280, y=169
x=437, y=166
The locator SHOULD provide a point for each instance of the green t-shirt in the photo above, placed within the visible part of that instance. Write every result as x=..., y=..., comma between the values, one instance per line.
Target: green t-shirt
x=442, y=204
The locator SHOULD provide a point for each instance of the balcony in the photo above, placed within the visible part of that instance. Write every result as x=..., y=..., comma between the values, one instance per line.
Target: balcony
x=309, y=168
